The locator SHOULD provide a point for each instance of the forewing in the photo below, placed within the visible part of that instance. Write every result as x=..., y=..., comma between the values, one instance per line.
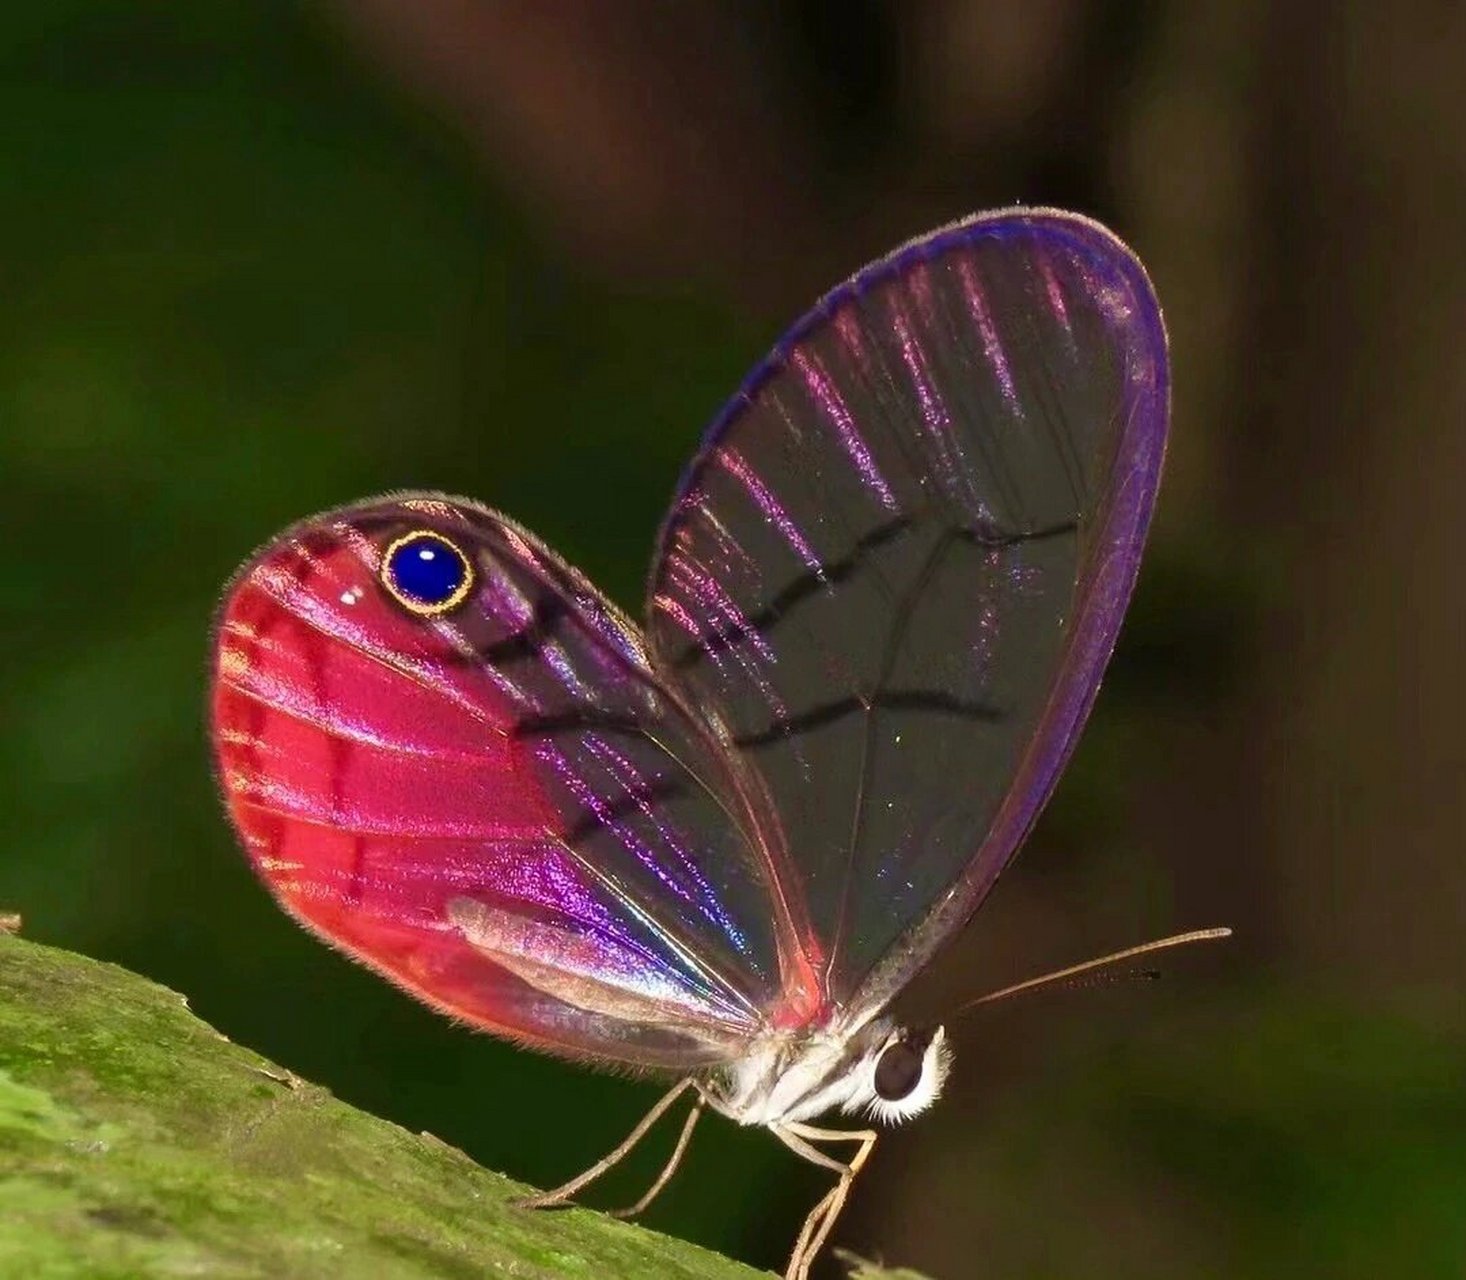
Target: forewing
x=895, y=572
x=501, y=808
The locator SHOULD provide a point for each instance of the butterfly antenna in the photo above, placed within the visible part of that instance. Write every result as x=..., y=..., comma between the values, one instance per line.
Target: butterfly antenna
x=1073, y=971
x=1109, y=979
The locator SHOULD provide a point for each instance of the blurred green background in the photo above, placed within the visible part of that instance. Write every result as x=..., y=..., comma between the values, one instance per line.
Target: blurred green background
x=257, y=259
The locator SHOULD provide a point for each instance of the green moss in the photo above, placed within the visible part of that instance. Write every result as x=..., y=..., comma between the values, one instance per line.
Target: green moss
x=136, y=1138
x=137, y=1141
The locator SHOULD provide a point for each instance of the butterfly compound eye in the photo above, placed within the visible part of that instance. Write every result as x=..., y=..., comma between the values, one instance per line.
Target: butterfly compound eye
x=426, y=574
x=898, y=1069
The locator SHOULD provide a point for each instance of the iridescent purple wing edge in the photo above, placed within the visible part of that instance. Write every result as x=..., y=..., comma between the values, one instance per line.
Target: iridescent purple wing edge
x=909, y=540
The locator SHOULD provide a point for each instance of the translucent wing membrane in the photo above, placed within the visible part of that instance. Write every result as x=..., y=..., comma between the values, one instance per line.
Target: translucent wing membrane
x=501, y=808
x=895, y=572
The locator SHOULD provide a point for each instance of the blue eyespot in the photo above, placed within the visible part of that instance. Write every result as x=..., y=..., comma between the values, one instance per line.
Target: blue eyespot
x=426, y=574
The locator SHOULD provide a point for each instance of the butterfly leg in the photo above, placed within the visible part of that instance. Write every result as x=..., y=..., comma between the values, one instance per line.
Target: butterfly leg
x=801, y=1258
x=564, y=1194
x=670, y=1167
x=821, y=1220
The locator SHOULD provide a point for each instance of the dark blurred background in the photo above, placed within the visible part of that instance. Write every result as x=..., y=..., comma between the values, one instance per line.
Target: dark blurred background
x=257, y=259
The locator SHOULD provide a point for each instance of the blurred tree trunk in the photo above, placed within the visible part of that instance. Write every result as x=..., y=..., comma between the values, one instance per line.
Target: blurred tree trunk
x=1365, y=192
x=1319, y=351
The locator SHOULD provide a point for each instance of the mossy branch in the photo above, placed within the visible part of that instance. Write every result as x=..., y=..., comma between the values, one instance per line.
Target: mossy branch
x=137, y=1140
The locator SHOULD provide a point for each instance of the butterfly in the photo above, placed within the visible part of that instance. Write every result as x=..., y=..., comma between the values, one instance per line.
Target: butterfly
x=718, y=844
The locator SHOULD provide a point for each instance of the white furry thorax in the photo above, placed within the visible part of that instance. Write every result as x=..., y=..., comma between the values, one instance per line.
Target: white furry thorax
x=788, y=1080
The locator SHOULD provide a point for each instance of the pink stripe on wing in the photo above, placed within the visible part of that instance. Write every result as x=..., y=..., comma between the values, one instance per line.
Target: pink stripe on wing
x=992, y=347
x=735, y=465
x=1055, y=293
x=820, y=387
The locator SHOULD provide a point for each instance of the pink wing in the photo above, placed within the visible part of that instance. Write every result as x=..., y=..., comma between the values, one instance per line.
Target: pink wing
x=501, y=809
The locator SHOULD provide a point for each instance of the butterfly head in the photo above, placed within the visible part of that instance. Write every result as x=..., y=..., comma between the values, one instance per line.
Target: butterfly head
x=903, y=1075
x=881, y=1070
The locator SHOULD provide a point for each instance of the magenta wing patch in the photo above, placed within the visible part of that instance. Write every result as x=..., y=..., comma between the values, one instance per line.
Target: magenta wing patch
x=445, y=752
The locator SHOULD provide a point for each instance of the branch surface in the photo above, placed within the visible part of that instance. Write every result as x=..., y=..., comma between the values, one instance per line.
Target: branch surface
x=135, y=1140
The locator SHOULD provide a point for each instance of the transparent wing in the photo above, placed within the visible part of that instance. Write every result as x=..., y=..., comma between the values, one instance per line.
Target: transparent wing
x=895, y=572
x=500, y=808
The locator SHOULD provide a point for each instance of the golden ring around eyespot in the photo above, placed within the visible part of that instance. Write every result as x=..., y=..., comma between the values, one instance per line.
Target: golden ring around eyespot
x=461, y=592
